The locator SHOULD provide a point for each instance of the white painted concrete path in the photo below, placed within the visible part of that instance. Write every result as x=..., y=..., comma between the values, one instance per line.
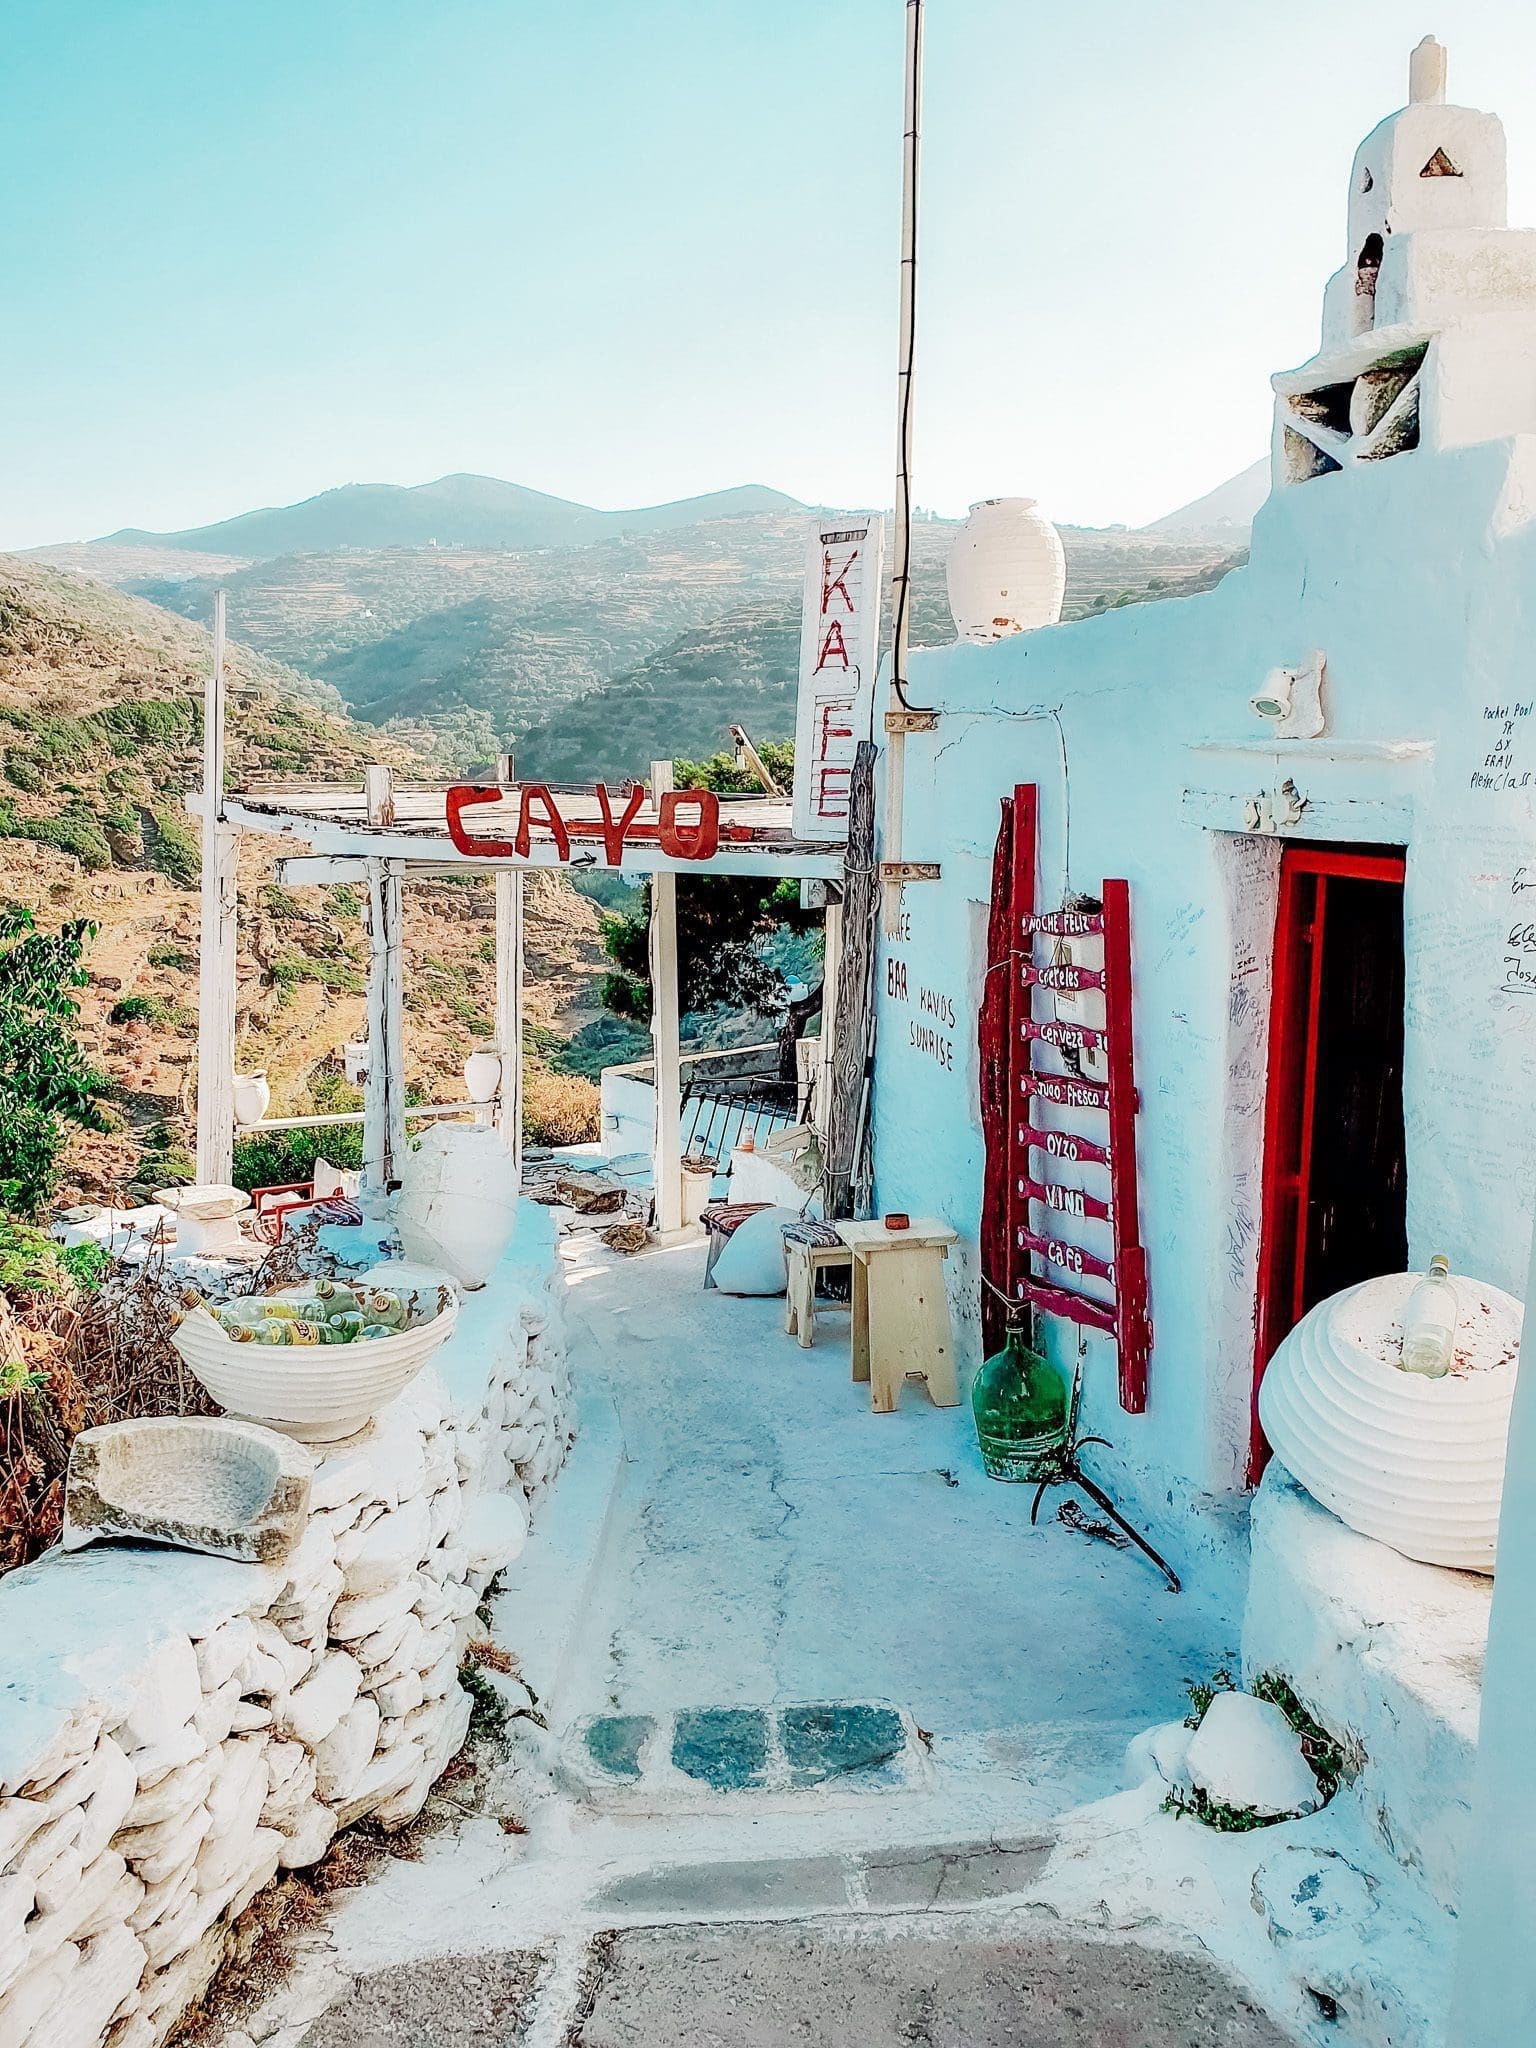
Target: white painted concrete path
x=775, y=1540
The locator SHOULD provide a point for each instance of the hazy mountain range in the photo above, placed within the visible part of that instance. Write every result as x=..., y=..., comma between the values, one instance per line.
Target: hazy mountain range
x=454, y=512
x=470, y=614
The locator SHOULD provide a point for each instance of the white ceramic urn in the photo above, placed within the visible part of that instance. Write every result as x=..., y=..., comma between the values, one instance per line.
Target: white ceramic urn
x=252, y=1098
x=1006, y=570
x=458, y=1201
x=1417, y=1463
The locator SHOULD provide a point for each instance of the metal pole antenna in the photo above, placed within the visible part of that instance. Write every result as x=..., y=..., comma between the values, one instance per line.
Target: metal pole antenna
x=901, y=573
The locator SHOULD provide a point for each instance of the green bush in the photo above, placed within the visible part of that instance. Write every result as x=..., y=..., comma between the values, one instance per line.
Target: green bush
x=152, y=1010
x=22, y=770
x=266, y=1159
x=75, y=830
x=174, y=848
x=172, y=956
x=31, y=1263
x=46, y=1084
x=340, y=976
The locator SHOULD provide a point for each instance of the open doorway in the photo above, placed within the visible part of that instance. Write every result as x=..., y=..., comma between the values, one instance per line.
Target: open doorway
x=1335, y=1170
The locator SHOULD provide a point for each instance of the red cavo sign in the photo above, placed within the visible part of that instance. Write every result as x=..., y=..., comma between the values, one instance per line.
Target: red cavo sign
x=687, y=827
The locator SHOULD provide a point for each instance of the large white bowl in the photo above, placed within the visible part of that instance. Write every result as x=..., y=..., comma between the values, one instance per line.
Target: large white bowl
x=1417, y=1463
x=315, y=1393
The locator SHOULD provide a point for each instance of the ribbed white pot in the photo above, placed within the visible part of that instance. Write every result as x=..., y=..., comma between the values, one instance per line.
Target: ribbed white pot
x=458, y=1201
x=316, y=1393
x=1006, y=570
x=1417, y=1463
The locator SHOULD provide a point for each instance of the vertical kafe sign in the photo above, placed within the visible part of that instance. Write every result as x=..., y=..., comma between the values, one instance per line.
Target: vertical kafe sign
x=839, y=649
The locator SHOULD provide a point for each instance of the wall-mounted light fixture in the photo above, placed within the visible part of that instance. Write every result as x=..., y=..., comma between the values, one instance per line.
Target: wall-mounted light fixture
x=1291, y=699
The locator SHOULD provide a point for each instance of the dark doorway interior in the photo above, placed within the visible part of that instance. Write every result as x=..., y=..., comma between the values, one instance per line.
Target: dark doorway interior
x=1335, y=1171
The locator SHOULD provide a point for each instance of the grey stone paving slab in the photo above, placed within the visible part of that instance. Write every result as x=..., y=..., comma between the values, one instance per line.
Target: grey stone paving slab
x=963, y=1874
x=477, y=2001
x=773, y=1884
x=793, y=1987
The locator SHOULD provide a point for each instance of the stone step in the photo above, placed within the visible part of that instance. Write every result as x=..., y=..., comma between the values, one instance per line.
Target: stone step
x=700, y=1758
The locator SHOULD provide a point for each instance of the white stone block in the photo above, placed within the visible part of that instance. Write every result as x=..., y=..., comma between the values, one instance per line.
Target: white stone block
x=168, y=1694
x=117, y=1908
x=60, y=1881
x=108, y=1971
x=390, y=1646
x=351, y=1620
x=220, y=1655
x=308, y=1839
x=313, y=1709
x=69, y=1744
x=113, y=1790
x=161, y=1852
x=176, y=1793
x=17, y=1896
x=513, y=1694
x=216, y=1716
x=389, y=1551
x=400, y=1695
x=50, y=1841
x=345, y=1754
x=250, y=1715
x=85, y=1898
x=437, y=1642
x=178, y=1987
x=444, y=1512
x=161, y=1901
x=273, y=1645
x=234, y=1808
x=20, y=1820
x=156, y=1760
x=1245, y=1754
x=35, y=1991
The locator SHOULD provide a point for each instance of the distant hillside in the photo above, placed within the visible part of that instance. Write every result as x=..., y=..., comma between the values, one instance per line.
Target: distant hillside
x=1227, y=512
x=455, y=511
x=743, y=668
x=100, y=722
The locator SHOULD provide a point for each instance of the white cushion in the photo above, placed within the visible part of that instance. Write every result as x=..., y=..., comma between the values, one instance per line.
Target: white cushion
x=333, y=1180
x=752, y=1261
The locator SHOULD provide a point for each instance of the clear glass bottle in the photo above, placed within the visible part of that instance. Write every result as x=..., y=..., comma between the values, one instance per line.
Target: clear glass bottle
x=1429, y=1322
x=1022, y=1404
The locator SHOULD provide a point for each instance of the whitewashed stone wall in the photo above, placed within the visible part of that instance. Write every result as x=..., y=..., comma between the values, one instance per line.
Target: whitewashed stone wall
x=177, y=1729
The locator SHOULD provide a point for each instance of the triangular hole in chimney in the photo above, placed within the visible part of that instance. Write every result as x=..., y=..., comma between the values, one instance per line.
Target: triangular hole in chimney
x=1439, y=166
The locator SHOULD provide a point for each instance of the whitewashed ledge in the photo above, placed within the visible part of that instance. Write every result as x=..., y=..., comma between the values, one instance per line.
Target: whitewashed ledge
x=176, y=1729
x=1388, y=1654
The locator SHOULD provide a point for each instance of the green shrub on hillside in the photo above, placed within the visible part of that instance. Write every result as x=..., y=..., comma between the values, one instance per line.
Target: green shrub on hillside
x=174, y=848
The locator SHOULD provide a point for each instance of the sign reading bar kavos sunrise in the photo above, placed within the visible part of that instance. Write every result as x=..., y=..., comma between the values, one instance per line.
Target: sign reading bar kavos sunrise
x=686, y=826
x=839, y=648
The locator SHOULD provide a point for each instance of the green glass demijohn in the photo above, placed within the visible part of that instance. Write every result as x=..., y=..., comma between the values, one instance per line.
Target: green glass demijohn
x=1023, y=1409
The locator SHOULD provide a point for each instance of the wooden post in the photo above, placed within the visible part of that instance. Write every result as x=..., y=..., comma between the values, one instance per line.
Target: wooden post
x=666, y=1151
x=217, y=941
x=507, y=1110
x=831, y=967
x=384, y=1091
x=509, y=1008
x=855, y=990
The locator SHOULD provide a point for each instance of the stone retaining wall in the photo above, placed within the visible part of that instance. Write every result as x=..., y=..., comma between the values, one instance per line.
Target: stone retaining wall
x=176, y=1729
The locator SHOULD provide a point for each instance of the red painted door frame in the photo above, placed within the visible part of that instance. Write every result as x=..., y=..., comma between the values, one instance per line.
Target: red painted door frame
x=1300, y=922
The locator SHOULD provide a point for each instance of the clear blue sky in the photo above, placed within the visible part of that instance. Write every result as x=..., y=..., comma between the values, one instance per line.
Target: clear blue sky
x=624, y=252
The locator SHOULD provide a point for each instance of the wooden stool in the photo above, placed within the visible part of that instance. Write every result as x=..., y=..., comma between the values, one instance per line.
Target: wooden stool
x=901, y=1310
x=808, y=1253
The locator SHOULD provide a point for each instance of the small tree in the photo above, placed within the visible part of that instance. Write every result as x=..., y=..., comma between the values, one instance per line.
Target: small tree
x=724, y=923
x=46, y=1084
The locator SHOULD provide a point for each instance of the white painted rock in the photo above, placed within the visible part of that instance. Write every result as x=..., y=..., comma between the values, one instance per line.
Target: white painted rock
x=1417, y=1463
x=1163, y=1753
x=458, y=1201
x=1304, y=1892
x=494, y=1531
x=313, y=1708
x=1245, y=1754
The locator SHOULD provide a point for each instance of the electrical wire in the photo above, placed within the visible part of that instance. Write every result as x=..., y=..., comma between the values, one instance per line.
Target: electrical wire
x=902, y=581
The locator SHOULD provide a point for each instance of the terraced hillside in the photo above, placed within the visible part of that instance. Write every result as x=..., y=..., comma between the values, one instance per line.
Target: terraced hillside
x=100, y=725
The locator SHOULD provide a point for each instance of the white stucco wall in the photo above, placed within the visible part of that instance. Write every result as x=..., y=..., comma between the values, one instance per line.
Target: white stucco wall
x=1417, y=576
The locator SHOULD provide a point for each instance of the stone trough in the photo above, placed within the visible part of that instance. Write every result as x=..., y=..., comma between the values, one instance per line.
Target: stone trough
x=195, y=1482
